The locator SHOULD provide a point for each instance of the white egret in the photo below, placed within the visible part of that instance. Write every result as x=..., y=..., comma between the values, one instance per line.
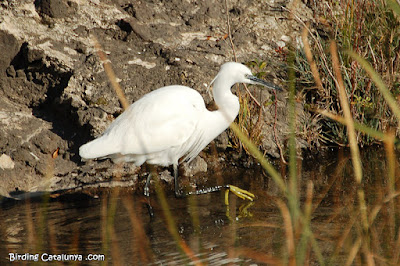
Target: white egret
x=171, y=124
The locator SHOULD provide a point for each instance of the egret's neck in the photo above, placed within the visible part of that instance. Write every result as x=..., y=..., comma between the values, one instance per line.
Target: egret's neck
x=228, y=103
x=228, y=108
x=215, y=122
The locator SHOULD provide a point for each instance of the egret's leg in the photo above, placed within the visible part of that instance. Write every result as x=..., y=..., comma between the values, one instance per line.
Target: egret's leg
x=178, y=192
x=146, y=187
x=241, y=193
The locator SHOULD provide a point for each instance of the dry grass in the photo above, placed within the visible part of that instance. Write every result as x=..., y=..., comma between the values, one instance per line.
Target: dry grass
x=367, y=28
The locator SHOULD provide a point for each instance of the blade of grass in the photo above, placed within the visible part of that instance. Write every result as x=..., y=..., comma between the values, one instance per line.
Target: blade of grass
x=52, y=240
x=194, y=214
x=358, y=126
x=231, y=231
x=30, y=228
x=138, y=231
x=74, y=245
x=353, y=251
x=44, y=207
x=293, y=199
x=303, y=243
x=171, y=226
x=287, y=222
x=111, y=210
x=110, y=73
x=259, y=157
x=109, y=214
x=355, y=153
x=104, y=235
x=341, y=241
x=394, y=5
x=391, y=164
x=391, y=160
x=316, y=248
x=374, y=212
x=115, y=249
x=313, y=65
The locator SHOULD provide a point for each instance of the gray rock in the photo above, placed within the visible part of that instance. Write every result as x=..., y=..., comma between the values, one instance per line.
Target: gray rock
x=6, y=162
x=198, y=165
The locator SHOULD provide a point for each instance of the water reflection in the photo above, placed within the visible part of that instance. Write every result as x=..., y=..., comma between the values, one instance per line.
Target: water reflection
x=214, y=233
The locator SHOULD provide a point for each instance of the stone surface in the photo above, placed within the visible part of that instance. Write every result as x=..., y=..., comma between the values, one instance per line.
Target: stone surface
x=198, y=165
x=6, y=162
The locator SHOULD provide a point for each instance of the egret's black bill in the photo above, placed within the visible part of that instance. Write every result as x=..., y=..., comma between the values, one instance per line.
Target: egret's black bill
x=264, y=83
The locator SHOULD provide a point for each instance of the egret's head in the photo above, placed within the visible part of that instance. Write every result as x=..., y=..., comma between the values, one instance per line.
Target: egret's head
x=242, y=74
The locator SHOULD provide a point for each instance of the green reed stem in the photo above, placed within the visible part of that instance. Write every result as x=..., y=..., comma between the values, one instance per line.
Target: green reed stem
x=293, y=199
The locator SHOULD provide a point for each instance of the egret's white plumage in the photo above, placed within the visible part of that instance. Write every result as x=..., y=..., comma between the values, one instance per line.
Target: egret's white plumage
x=171, y=122
x=153, y=129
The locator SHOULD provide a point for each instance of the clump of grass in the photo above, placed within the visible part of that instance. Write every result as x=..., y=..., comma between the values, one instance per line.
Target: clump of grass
x=250, y=117
x=249, y=120
x=370, y=29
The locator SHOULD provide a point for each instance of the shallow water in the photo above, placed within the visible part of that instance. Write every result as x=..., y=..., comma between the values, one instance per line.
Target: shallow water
x=242, y=234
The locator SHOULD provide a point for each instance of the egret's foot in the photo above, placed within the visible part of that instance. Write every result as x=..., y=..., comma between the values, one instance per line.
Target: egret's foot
x=244, y=210
x=241, y=193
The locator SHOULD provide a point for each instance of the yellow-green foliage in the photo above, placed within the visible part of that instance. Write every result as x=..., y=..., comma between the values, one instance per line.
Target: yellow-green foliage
x=370, y=29
x=250, y=114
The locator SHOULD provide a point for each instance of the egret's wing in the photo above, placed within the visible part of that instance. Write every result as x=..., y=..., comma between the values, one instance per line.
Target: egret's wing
x=162, y=119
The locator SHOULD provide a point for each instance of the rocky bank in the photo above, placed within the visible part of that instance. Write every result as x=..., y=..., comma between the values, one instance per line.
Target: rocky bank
x=55, y=95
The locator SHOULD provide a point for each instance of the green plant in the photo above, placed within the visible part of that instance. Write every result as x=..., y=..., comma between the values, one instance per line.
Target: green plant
x=250, y=117
x=370, y=29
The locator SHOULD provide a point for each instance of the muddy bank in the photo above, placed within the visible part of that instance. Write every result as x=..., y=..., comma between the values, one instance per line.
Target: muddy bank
x=55, y=96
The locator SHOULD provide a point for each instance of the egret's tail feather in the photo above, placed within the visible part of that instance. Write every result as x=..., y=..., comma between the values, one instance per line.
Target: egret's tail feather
x=97, y=148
